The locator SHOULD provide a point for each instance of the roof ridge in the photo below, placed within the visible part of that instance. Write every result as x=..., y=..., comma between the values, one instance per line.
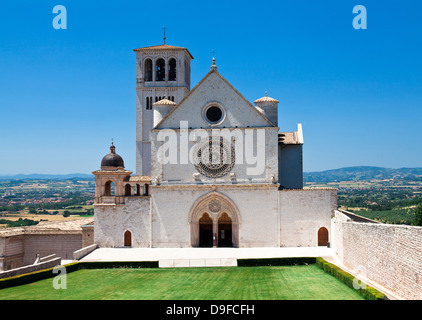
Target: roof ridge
x=160, y=45
x=164, y=46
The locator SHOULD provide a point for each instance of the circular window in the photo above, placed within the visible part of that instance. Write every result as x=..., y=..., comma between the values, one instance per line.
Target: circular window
x=214, y=158
x=213, y=114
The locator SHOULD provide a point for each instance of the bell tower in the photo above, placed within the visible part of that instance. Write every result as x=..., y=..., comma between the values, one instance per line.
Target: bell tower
x=162, y=71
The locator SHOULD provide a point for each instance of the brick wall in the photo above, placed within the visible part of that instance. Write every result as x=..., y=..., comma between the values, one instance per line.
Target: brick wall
x=390, y=255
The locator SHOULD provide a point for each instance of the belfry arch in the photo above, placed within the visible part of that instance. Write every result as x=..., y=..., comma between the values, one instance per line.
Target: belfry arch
x=222, y=213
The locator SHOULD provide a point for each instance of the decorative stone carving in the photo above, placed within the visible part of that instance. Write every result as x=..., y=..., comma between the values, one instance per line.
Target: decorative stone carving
x=214, y=205
x=205, y=218
x=224, y=218
x=214, y=158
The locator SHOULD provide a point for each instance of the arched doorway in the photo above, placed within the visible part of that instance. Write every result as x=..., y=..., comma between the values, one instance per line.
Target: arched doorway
x=205, y=231
x=322, y=237
x=225, y=231
x=128, y=239
x=223, y=220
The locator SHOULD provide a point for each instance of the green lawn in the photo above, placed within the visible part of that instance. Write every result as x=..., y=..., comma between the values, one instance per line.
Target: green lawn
x=234, y=283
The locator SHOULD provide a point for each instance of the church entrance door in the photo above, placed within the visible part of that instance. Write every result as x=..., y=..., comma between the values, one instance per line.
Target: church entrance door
x=205, y=231
x=225, y=231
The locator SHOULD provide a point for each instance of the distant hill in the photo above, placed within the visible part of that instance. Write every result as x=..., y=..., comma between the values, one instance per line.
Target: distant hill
x=363, y=173
x=334, y=175
x=40, y=176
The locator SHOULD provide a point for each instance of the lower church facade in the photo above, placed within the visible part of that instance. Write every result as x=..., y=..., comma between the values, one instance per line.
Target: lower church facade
x=244, y=216
x=213, y=169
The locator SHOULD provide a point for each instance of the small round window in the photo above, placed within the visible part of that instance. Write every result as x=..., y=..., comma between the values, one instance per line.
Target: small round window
x=213, y=114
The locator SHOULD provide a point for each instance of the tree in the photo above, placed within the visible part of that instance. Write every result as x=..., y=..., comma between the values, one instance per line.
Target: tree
x=418, y=215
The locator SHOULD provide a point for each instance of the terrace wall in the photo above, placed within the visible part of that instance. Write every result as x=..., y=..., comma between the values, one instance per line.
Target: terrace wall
x=62, y=244
x=388, y=254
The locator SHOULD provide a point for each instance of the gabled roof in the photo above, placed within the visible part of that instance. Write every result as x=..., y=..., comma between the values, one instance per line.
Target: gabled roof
x=213, y=71
x=163, y=47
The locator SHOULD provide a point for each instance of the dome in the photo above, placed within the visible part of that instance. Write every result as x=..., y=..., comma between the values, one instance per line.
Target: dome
x=164, y=102
x=268, y=107
x=266, y=99
x=112, y=160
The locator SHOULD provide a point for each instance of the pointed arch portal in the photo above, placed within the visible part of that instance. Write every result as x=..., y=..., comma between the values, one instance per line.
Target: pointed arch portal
x=214, y=221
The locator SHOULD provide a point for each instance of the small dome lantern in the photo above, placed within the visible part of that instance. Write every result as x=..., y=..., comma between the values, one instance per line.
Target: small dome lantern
x=112, y=161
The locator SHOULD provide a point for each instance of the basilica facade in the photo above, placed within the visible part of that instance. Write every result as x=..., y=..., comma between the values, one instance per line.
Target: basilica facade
x=212, y=168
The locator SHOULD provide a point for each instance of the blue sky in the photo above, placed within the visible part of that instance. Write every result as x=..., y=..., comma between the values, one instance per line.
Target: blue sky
x=65, y=93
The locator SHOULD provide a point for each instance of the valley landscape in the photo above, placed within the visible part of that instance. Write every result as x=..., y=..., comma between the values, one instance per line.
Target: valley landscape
x=381, y=194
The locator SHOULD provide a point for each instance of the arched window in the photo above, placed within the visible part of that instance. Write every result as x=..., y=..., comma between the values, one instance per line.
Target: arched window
x=147, y=104
x=127, y=190
x=160, y=70
x=148, y=70
x=109, y=189
x=138, y=190
x=172, y=69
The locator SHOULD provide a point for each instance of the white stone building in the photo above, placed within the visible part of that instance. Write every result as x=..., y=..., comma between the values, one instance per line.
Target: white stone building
x=212, y=169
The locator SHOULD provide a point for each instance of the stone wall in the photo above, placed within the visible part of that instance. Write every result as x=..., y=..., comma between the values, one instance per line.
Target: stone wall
x=31, y=268
x=79, y=254
x=261, y=215
x=303, y=212
x=112, y=221
x=87, y=235
x=62, y=244
x=11, y=252
x=387, y=254
x=256, y=205
x=172, y=171
x=21, y=250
